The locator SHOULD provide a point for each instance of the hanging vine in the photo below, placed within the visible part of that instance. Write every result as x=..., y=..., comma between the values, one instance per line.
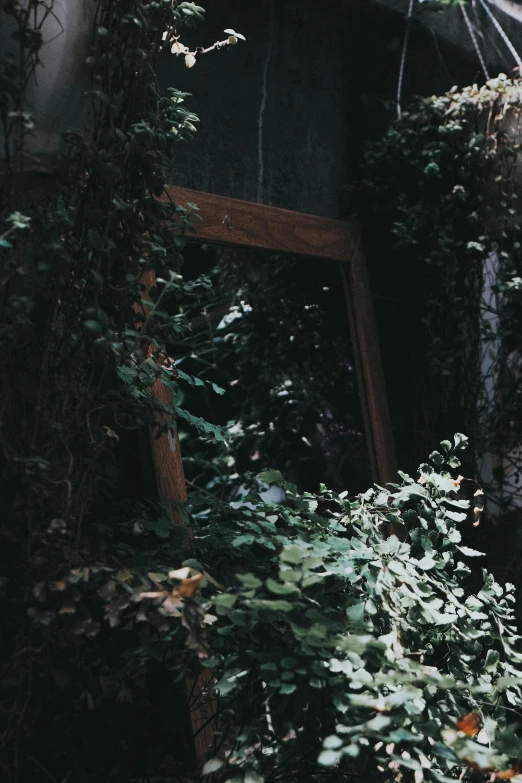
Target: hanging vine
x=445, y=181
x=336, y=651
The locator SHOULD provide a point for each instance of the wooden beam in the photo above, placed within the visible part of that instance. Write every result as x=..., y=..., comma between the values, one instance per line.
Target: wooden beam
x=229, y=221
x=164, y=444
x=171, y=488
x=370, y=375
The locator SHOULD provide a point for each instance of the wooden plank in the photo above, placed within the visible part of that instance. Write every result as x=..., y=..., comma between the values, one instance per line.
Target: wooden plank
x=372, y=387
x=166, y=454
x=171, y=488
x=361, y=386
x=229, y=221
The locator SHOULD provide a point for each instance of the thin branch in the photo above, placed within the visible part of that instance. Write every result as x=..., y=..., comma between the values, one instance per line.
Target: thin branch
x=474, y=39
x=403, y=59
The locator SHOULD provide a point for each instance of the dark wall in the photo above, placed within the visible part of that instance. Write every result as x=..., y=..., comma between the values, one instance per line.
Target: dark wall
x=284, y=119
x=283, y=114
x=275, y=111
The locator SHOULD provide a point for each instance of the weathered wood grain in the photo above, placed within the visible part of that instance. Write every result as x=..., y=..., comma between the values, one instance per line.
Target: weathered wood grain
x=229, y=221
x=368, y=363
x=166, y=454
x=171, y=488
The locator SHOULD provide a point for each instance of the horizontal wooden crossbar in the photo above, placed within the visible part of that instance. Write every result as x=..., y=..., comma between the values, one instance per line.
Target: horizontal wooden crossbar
x=229, y=221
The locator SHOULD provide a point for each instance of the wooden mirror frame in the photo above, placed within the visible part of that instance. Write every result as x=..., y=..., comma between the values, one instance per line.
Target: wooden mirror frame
x=235, y=223
x=232, y=222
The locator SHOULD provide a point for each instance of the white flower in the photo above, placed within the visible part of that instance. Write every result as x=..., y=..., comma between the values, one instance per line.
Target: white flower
x=165, y=35
x=178, y=48
x=190, y=60
x=232, y=34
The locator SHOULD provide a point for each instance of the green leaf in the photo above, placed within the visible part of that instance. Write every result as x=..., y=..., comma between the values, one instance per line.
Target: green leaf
x=293, y=555
x=270, y=605
x=93, y=327
x=470, y=552
x=253, y=777
x=249, y=581
x=193, y=563
x=271, y=477
x=201, y=424
x=328, y=758
x=279, y=588
x=378, y=723
x=245, y=540
x=227, y=600
x=212, y=765
x=492, y=660
x=427, y=563
x=332, y=742
x=460, y=440
x=455, y=516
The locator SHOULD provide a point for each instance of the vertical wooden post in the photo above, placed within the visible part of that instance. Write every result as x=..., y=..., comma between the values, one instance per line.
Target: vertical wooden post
x=171, y=488
x=165, y=450
x=370, y=376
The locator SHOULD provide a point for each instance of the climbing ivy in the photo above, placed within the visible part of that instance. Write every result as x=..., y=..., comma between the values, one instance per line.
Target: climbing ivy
x=83, y=342
x=346, y=636
x=445, y=183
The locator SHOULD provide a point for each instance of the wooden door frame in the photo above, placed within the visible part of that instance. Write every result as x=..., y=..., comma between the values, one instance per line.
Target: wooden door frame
x=232, y=222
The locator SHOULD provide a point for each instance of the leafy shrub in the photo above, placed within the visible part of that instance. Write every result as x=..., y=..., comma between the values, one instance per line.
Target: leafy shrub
x=337, y=649
x=352, y=637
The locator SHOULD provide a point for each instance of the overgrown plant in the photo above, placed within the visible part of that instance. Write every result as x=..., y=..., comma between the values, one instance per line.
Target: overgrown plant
x=352, y=639
x=445, y=184
x=83, y=342
x=337, y=650
x=274, y=334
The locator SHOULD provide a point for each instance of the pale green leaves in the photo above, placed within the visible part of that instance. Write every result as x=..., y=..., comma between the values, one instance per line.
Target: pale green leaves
x=234, y=37
x=355, y=614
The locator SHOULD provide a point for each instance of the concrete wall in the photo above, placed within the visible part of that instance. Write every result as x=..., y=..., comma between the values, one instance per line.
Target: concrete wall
x=54, y=93
x=275, y=111
x=284, y=114
x=450, y=26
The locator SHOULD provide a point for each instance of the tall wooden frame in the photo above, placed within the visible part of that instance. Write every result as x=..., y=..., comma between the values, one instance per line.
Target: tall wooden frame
x=227, y=221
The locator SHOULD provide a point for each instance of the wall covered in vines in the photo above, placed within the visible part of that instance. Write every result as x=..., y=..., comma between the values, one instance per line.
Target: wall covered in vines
x=77, y=372
x=445, y=182
x=324, y=646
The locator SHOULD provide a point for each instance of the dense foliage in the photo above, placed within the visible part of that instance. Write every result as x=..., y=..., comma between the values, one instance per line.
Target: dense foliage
x=274, y=333
x=346, y=636
x=444, y=182
x=76, y=326
x=340, y=631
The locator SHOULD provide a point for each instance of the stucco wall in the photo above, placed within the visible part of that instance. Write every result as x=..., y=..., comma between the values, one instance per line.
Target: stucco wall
x=283, y=115
x=275, y=111
x=451, y=26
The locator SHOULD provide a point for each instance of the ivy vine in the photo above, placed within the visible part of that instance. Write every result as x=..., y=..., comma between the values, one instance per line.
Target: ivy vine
x=337, y=649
